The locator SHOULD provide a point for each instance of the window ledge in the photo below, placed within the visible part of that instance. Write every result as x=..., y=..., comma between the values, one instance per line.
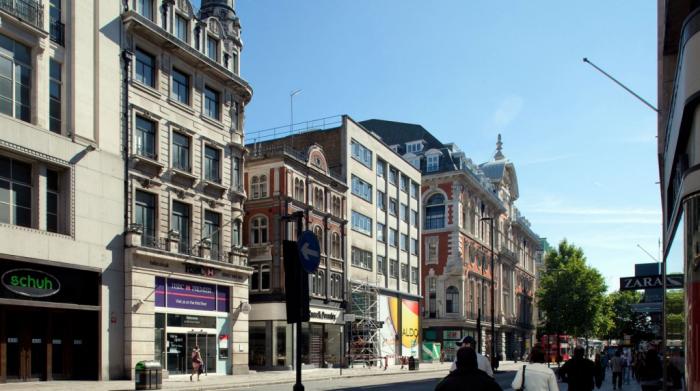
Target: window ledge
x=37, y=230
x=146, y=88
x=147, y=163
x=181, y=106
x=184, y=175
x=212, y=121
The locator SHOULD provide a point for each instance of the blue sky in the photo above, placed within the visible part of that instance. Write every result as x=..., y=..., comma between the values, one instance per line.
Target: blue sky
x=584, y=149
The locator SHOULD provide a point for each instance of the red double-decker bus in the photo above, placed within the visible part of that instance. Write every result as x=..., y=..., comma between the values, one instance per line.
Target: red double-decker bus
x=550, y=345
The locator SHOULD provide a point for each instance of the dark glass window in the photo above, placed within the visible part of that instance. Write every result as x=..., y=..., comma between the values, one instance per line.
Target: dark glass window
x=236, y=172
x=145, y=215
x=181, y=152
x=181, y=87
x=181, y=28
x=212, y=228
x=181, y=223
x=452, y=300
x=55, y=87
x=435, y=212
x=145, y=137
x=15, y=192
x=212, y=48
x=145, y=68
x=211, y=164
x=211, y=103
x=52, y=200
x=145, y=8
x=15, y=79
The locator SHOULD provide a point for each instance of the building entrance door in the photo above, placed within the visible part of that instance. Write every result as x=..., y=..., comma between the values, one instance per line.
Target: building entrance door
x=207, y=349
x=25, y=345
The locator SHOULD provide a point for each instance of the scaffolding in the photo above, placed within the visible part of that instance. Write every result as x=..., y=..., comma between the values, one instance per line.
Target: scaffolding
x=365, y=330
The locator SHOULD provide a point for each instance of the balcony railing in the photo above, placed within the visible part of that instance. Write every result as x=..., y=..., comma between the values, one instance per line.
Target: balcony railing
x=30, y=11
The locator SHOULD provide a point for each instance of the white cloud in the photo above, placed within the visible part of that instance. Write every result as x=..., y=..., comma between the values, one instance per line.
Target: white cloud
x=507, y=110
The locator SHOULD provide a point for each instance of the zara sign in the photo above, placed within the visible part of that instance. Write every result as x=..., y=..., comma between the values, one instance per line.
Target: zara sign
x=31, y=282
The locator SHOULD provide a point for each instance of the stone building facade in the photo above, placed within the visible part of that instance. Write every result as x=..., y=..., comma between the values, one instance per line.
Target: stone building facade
x=186, y=273
x=61, y=193
x=460, y=202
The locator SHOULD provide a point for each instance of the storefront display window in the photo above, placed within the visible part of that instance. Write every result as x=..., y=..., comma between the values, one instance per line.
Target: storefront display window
x=333, y=341
x=283, y=344
x=257, y=339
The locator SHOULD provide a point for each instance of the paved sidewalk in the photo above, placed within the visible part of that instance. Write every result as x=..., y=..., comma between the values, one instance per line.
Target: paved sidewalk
x=222, y=382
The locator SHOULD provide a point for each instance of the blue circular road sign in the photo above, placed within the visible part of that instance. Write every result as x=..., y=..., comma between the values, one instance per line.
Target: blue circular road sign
x=309, y=251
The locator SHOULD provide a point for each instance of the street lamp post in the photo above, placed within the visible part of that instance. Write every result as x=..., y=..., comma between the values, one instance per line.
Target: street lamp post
x=493, y=306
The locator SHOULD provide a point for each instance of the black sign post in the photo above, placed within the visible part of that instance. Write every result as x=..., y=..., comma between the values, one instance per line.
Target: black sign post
x=296, y=282
x=673, y=281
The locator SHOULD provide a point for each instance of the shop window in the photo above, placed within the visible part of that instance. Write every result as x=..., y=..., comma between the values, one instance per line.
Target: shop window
x=257, y=336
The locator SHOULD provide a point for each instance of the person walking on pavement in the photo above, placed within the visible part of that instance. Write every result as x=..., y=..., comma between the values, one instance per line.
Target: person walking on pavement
x=482, y=362
x=650, y=373
x=616, y=366
x=196, y=362
x=599, y=368
x=578, y=372
x=535, y=376
x=467, y=376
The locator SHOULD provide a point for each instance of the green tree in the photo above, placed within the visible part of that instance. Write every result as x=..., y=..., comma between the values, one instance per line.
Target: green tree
x=571, y=293
x=675, y=319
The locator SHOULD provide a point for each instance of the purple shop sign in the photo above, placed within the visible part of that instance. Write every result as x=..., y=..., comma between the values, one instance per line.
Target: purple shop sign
x=189, y=295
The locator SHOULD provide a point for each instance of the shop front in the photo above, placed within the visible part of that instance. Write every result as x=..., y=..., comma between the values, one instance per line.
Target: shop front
x=50, y=322
x=187, y=315
x=399, y=335
x=272, y=340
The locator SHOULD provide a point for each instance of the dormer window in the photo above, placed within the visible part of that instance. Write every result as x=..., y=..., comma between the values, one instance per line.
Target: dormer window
x=433, y=162
x=395, y=148
x=413, y=147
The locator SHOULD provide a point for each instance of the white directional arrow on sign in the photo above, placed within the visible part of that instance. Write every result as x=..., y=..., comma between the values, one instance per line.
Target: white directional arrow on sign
x=306, y=251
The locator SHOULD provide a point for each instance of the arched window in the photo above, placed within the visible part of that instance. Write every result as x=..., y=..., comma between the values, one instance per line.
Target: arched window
x=318, y=231
x=321, y=283
x=451, y=300
x=435, y=212
x=318, y=199
x=258, y=230
x=335, y=245
x=236, y=234
x=336, y=207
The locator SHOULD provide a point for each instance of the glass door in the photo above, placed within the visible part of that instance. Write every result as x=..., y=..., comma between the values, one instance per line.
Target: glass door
x=177, y=355
x=207, y=349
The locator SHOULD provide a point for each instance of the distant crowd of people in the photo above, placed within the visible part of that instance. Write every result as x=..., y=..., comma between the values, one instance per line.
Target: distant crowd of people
x=580, y=373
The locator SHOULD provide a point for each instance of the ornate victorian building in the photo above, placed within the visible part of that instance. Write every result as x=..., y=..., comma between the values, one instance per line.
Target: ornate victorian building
x=461, y=201
x=185, y=266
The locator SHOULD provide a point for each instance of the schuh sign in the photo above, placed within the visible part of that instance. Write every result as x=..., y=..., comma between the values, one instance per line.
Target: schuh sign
x=30, y=282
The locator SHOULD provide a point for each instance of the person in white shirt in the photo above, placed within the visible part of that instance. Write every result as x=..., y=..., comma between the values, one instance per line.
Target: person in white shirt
x=538, y=376
x=482, y=362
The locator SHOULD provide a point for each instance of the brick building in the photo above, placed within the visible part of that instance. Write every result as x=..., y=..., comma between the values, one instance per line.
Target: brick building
x=281, y=180
x=460, y=202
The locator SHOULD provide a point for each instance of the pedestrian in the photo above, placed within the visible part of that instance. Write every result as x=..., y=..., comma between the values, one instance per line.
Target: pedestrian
x=578, y=372
x=650, y=373
x=467, y=375
x=482, y=362
x=616, y=366
x=599, y=368
x=196, y=362
x=535, y=376
x=626, y=364
x=515, y=356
